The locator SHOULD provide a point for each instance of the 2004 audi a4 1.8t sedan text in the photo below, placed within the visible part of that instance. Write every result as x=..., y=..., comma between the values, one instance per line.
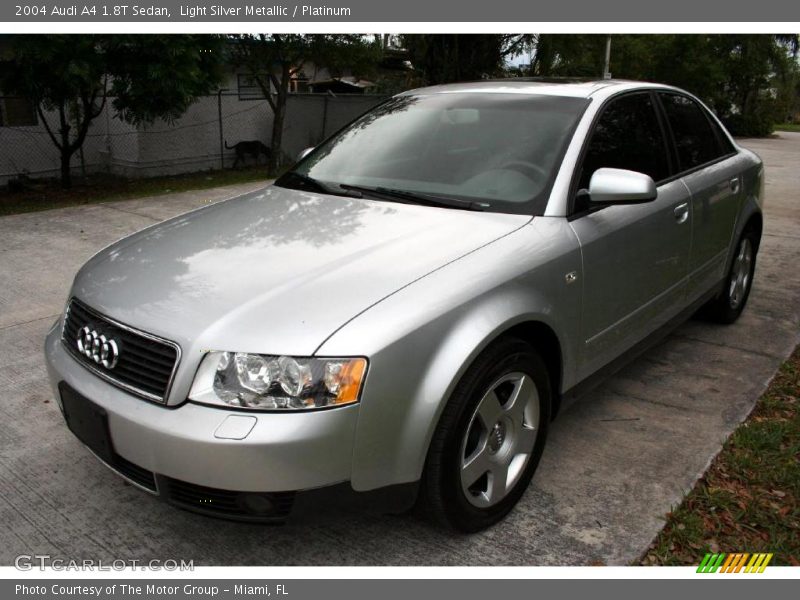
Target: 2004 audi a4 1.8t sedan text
x=406, y=309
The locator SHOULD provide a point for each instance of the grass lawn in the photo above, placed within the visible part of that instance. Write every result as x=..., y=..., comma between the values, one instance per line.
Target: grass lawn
x=44, y=195
x=787, y=127
x=749, y=499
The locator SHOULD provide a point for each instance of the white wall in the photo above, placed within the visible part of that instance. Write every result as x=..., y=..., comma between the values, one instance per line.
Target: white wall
x=191, y=143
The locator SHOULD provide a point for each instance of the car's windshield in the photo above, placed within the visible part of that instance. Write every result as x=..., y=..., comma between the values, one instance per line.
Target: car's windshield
x=489, y=151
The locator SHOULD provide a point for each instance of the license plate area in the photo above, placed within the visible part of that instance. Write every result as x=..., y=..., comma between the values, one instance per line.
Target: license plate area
x=88, y=421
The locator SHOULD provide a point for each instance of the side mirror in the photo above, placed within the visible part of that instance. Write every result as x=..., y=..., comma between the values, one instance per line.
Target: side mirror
x=619, y=186
x=304, y=153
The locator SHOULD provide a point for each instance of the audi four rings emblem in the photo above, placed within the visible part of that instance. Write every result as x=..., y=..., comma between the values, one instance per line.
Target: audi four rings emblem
x=97, y=347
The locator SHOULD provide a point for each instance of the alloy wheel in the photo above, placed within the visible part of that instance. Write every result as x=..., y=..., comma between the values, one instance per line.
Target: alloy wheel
x=499, y=439
x=740, y=274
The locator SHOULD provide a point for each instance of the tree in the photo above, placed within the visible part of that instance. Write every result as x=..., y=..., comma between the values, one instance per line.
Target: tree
x=149, y=77
x=748, y=80
x=565, y=55
x=759, y=67
x=447, y=58
x=273, y=59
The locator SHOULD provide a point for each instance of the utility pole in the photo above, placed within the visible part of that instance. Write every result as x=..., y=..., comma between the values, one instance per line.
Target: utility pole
x=607, y=61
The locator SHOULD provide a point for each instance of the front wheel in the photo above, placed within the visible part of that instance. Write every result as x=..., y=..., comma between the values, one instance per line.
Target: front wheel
x=490, y=438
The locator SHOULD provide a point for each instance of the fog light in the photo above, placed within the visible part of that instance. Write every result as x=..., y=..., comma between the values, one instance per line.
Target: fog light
x=256, y=504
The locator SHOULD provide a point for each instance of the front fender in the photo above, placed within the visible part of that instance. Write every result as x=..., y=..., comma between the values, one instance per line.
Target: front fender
x=421, y=340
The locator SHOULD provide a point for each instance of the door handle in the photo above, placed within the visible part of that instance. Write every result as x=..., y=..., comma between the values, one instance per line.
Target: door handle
x=681, y=213
x=734, y=183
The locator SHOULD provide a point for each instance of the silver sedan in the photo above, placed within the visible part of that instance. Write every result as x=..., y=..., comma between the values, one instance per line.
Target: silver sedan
x=404, y=312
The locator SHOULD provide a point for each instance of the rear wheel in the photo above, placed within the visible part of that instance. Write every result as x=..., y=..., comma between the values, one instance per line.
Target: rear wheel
x=730, y=303
x=489, y=439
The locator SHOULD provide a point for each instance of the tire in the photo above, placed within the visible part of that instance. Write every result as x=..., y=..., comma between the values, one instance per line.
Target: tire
x=492, y=430
x=729, y=304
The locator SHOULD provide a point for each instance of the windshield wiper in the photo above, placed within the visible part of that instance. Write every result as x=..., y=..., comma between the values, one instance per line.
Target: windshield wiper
x=417, y=197
x=357, y=191
x=314, y=185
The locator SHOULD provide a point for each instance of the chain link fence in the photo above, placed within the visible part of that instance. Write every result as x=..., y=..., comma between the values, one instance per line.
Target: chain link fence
x=203, y=139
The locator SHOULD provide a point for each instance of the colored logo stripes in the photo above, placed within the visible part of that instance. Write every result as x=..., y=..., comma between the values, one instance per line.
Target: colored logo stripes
x=735, y=562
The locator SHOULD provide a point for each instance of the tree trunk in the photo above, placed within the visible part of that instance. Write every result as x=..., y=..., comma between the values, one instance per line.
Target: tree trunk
x=277, y=136
x=276, y=142
x=65, y=148
x=66, y=171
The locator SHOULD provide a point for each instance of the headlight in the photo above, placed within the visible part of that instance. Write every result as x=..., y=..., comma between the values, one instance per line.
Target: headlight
x=261, y=382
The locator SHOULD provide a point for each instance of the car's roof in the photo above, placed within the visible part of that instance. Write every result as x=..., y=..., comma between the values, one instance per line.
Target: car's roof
x=540, y=86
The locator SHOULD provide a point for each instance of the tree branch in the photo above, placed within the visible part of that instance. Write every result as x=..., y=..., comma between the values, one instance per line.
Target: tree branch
x=49, y=131
x=265, y=89
x=86, y=121
x=99, y=110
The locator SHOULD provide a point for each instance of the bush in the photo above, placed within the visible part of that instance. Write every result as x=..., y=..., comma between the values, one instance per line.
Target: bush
x=752, y=125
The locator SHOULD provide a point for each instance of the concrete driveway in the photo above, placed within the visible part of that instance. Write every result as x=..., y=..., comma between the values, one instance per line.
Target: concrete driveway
x=615, y=462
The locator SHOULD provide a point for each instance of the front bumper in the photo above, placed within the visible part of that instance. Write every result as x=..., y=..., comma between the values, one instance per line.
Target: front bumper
x=281, y=453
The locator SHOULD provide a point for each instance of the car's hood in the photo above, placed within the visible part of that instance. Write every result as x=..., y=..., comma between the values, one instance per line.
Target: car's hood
x=278, y=270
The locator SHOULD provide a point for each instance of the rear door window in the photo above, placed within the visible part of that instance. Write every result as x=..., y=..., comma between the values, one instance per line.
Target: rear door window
x=723, y=142
x=695, y=139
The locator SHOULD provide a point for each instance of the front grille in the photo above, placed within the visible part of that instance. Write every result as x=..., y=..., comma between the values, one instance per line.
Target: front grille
x=225, y=503
x=145, y=364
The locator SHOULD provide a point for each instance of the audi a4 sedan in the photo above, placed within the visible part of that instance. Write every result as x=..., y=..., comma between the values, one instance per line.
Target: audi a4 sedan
x=404, y=312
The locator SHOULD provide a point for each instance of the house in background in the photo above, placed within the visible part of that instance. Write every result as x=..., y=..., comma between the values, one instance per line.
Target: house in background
x=17, y=112
x=341, y=85
x=14, y=112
